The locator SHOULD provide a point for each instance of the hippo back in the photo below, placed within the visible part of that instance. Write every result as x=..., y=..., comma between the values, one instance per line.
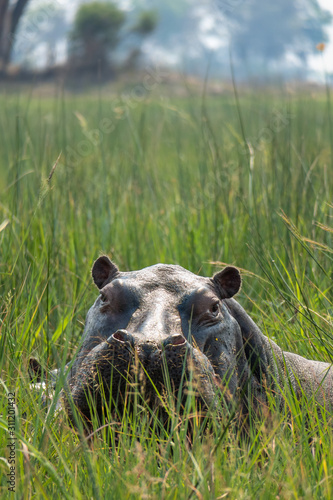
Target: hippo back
x=273, y=366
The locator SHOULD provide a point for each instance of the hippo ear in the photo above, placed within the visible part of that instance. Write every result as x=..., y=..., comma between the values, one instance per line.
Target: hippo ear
x=103, y=271
x=228, y=281
x=35, y=370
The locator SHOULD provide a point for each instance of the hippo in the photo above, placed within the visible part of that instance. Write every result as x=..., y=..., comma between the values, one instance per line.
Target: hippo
x=165, y=327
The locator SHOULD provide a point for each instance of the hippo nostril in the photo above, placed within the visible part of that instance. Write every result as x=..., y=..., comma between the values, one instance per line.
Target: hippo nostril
x=178, y=340
x=119, y=335
x=174, y=340
x=123, y=336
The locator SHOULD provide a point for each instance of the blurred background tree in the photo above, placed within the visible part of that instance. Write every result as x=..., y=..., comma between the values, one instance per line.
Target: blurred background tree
x=100, y=27
x=10, y=15
x=95, y=33
x=146, y=23
x=143, y=26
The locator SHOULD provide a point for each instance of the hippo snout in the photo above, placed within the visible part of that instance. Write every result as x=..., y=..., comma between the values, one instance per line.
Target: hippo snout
x=153, y=355
x=124, y=336
x=126, y=359
x=151, y=352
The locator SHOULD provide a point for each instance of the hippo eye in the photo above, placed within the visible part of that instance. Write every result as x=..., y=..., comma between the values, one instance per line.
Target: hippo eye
x=103, y=297
x=215, y=309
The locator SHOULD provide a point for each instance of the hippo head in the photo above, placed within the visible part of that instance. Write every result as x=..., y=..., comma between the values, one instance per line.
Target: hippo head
x=159, y=326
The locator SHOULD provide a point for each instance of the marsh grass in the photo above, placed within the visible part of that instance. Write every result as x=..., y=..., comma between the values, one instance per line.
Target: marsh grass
x=174, y=182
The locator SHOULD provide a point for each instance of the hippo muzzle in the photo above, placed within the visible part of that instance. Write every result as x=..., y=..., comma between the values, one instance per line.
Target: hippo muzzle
x=123, y=364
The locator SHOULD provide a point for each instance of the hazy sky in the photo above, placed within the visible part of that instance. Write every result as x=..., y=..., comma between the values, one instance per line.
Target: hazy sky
x=319, y=63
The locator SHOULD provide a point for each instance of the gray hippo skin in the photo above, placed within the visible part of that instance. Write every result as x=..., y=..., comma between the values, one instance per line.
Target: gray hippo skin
x=166, y=320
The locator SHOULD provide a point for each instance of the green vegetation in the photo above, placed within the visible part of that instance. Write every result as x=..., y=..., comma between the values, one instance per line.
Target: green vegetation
x=148, y=178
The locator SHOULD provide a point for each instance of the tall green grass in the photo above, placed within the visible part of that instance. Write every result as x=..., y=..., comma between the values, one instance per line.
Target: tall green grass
x=173, y=182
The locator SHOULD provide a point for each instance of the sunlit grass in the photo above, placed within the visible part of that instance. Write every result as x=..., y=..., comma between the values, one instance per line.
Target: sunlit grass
x=172, y=182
